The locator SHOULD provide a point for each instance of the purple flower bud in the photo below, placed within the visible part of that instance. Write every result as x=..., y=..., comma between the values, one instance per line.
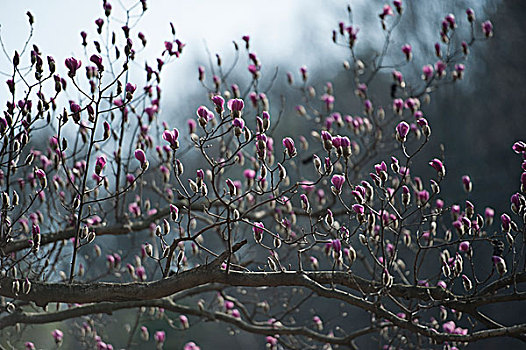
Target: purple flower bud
x=398, y=5
x=438, y=166
x=358, y=208
x=303, y=72
x=471, y=15
x=386, y=11
x=288, y=143
x=219, y=102
x=337, y=141
x=40, y=173
x=191, y=125
x=407, y=50
x=464, y=246
x=253, y=69
x=427, y=71
x=338, y=181
x=506, y=222
x=398, y=105
x=249, y=174
x=258, y=230
x=159, y=337
x=131, y=88
x=487, y=29
x=205, y=115
x=440, y=68
x=466, y=181
x=246, y=39
x=449, y=327
x=402, y=129
x=500, y=264
x=57, y=335
x=235, y=105
x=100, y=164
x=423, y=196
x=489, y=213
x=450, y=19
x=140, y=156
x=519, y=147
x=201, y=71
x=238, y=123
x=174, y=212
x=171, y=138
x=368, y=106
x=336, y=245
x=438, y=50
x=516, y=202
x=326, y=136
x=97, y=59
x=73, y=65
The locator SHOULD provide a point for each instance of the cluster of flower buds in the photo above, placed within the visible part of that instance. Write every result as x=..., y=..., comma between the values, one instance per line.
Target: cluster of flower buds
x=204, y=116
x=263, y=122
x=171, y=137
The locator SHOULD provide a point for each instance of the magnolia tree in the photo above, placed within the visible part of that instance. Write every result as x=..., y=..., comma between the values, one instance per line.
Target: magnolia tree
x=303, y=241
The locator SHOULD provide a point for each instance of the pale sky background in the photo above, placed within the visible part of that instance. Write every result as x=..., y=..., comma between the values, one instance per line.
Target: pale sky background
x=288, y=33
x=277, y=30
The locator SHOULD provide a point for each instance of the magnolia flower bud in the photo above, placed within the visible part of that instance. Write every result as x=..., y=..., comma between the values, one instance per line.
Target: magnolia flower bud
x=148, y=249
x=317, y=164
x=83, y=232
x=387, y=279
x=16, y=199
x=26, y=286
x=467, y=283
x=282, y=171
x=6, y=202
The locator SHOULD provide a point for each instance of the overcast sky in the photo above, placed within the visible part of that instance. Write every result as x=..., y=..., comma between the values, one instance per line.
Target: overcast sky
x=277, y=29
x=296, y=32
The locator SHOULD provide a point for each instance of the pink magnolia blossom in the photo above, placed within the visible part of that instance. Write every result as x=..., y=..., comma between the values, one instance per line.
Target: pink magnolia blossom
x=288, y=143
x=386, y=11
x=519, y=147
x=464, y=246
x=407, y=50
x=160, y=337
x=358, y=208
x=141, y=157
x=438, y=166
x=338, y=181
x=235, y=105
x=57, y=335
x=191, y=345
x=402, y=129
x=487, y=29
x=171, y=137
x=73, y=65
x=427, y=71
x=97, y=59
x=219, y=102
